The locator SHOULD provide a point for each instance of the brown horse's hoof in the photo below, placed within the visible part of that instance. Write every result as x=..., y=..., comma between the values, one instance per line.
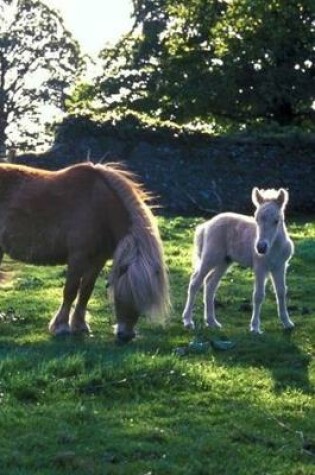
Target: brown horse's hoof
x=60, y=330
x=80, y=329
x=124, y=338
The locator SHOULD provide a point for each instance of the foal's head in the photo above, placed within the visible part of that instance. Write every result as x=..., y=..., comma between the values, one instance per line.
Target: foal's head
x=269, y=216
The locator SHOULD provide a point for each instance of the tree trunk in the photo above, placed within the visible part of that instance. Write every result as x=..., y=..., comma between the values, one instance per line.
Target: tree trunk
x=3, y=137
x=283, y=113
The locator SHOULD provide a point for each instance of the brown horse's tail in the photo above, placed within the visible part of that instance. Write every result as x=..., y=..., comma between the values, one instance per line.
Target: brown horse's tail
x=139, y=277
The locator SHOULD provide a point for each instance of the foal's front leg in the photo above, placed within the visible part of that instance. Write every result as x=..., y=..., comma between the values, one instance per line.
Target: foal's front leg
x=258, y=297
x=278, y=280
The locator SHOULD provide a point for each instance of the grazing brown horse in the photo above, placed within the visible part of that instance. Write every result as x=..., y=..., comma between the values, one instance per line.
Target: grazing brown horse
x=83, y=216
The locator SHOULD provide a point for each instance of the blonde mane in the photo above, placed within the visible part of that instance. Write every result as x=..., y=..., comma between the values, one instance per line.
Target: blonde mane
x=138, y=268
x=131, y=193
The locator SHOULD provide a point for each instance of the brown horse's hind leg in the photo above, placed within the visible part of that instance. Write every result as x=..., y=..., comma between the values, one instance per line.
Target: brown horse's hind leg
x=59, y=324
x=78, y=323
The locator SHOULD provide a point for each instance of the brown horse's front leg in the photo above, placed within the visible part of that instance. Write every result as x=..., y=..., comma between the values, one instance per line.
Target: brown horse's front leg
x=59, y=324
x=78, y=322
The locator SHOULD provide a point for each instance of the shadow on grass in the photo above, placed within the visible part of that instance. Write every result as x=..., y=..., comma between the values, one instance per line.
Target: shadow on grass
x=276, y=351
x=279, y=354
x=283, y=353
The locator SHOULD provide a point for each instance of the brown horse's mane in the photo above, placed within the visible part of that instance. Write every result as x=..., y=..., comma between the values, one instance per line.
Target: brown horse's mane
x=127, y=185
x=131, y=179
x=143, y=240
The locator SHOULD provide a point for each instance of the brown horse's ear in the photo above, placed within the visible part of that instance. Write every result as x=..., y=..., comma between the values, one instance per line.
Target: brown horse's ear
x=282, y=198
x=257, y=198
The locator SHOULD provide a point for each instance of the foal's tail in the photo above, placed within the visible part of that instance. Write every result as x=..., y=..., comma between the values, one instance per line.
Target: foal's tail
x=139, y=278
x=198, y=244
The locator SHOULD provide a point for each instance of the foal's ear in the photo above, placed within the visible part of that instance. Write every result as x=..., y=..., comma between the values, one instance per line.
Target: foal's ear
x=282, y=198
x=257, y=197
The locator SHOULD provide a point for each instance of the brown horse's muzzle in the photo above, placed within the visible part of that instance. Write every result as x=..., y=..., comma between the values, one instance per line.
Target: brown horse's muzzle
x=123, y=337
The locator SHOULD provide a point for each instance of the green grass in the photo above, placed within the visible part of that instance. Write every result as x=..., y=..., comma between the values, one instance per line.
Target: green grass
x=85, y=406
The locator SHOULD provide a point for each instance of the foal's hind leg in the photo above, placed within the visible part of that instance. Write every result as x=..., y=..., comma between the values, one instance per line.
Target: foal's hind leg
x=59, y=324
x=78, y=323
x=195, y=283
x=210, y=286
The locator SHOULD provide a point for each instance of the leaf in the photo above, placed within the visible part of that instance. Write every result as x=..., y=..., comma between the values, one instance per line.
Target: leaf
x=222, y=345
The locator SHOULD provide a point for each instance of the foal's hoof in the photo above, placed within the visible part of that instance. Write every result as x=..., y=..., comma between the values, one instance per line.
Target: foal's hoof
x=289, y=328
x=256, y=331
x=189, y=325
x=213, y=324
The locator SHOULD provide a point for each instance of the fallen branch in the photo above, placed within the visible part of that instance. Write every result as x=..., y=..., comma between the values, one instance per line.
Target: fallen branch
x=197, y=205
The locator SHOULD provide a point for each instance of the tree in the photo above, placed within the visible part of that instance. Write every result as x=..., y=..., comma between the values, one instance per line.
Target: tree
x=131, y=65
x=239, y=61
x=39, y=59
x=267, y=53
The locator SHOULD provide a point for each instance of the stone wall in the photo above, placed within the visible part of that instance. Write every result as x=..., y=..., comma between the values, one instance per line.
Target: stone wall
x=191, y=173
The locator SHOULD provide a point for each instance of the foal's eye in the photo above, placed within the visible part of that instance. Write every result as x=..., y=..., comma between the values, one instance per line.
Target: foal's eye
x=276, y=222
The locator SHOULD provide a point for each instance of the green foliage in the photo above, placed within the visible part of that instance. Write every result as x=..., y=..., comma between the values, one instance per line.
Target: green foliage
x=240, y=62
x=81, y=100
x=39, y=60
x=86, y=406
x=267, y=54
x=128, y=125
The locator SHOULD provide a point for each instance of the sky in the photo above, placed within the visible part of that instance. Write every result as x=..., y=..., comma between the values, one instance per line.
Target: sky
x=95, y=22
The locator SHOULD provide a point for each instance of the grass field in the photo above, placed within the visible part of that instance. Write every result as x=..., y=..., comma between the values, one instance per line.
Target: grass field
x=86, y=406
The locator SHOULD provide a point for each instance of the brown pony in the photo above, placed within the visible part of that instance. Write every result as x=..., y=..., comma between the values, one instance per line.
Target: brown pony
x=83, y=216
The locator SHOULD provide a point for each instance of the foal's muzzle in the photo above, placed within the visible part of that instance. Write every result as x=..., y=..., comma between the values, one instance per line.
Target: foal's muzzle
x=262, y=247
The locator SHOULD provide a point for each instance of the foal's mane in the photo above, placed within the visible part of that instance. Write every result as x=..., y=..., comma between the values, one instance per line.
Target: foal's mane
x=270, y=194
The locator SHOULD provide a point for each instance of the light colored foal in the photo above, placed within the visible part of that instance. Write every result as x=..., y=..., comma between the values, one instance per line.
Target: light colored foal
x=260, y=242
